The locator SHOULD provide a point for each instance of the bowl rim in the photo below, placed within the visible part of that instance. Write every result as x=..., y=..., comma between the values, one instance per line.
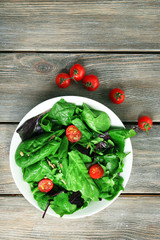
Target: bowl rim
x=24, y=187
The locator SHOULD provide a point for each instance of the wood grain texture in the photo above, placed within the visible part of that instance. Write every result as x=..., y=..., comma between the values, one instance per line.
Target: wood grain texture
x=80, y=25
x=145, y=177
x=127, y=218
x=28, y=79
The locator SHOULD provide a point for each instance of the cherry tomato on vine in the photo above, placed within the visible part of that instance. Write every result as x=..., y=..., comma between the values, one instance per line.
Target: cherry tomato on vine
x=73, y=134
x=63, y=80
x=77, y=72
x=45, y=185
x=117, y=96
x=96, y=171
x=91, y=82
x=145, y=123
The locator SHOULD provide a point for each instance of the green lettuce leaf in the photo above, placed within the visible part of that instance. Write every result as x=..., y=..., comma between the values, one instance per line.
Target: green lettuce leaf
x=113, y=186
x=61, y=204
x=41, y=197
x=85, y=158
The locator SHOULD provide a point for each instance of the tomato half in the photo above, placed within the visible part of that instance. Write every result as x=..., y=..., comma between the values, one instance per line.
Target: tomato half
x=77, y=72
x=117, y=96
x=145, y=123
x=96, y=171
x=63, y=80
x=91, y=82
x=73, y=134
x=45, y=185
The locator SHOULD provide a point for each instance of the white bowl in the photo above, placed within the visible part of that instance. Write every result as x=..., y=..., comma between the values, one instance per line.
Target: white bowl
x=24, y=187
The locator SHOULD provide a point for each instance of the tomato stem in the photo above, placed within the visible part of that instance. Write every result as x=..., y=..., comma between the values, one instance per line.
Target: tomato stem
x=89, y=84
x=74, y=80
x=75, y=72
x=146, y=126
x=118, y=95
x=63, y=79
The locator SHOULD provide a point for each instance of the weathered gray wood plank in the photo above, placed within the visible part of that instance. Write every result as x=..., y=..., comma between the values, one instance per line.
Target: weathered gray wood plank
x=28, y=79
x=145, y=177
x=127, y=218
x=80, y=25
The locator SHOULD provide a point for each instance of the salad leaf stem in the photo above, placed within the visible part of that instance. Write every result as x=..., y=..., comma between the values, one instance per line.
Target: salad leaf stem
x=49, y=202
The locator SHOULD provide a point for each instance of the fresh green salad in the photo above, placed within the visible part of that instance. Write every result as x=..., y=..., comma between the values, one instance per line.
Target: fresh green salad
x=71, y=156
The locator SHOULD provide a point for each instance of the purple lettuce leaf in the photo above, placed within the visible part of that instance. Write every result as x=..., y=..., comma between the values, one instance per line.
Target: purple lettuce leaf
x=30, y=128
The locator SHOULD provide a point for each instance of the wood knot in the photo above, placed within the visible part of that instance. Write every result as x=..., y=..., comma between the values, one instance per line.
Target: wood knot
x=43, y=67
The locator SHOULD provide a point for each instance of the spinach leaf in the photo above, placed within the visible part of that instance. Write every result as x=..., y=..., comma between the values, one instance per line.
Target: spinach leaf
x=26, y=159
x=78, y=178
x=33, y=144
x=85, y=133
x=46, y=123
x=119, y=135
x=63, y=112
x=126, y=133
x=28, y=147
x=98, y=121
x=63, y=150
x=61, y=204
x=37, y=171
x=64, y=168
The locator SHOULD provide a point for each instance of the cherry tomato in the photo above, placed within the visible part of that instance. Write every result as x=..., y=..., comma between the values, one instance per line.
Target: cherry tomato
x=96, y=171
x=73, y=134
x=145, y=123
x=91, y=82
x=117, y=95
x=77, y=72
x=63, y=80
x=45, y=185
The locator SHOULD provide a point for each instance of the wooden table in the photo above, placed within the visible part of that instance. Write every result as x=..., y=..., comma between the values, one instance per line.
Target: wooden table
x=119, y=41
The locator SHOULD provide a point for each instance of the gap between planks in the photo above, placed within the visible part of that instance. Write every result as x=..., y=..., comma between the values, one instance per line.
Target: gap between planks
x=85, y=52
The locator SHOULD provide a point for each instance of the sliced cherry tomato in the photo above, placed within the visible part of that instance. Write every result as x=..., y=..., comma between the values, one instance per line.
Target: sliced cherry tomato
x=91, y=82
x=145, y=123
x=77, y=72
x=96, y=171
x=73, y=134
x=63, y=80
x=45, y=185
x=117, y=95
